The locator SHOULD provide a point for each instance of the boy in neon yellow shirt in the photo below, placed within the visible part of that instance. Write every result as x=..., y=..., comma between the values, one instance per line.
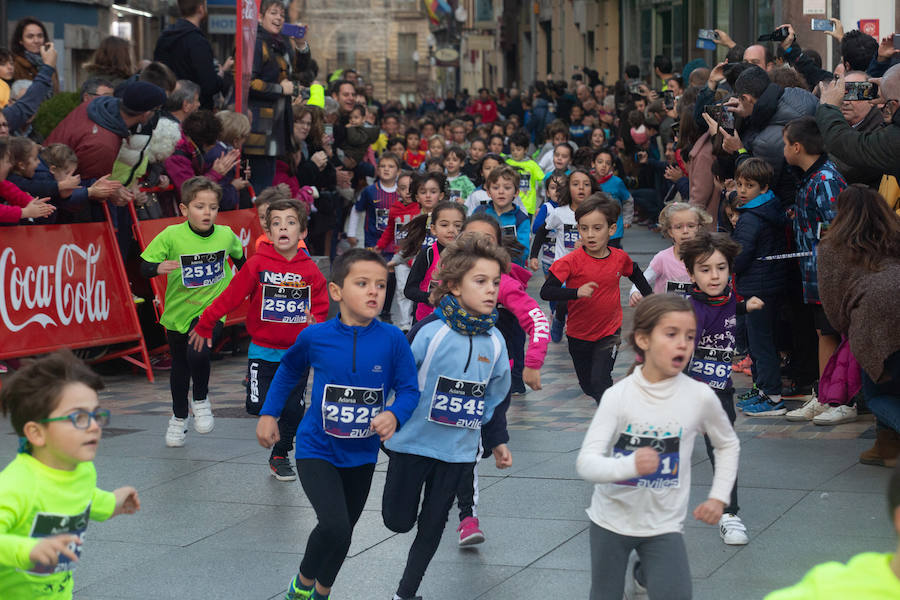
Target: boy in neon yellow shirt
x=530, y=173
x=49, y=492
x=868, y=576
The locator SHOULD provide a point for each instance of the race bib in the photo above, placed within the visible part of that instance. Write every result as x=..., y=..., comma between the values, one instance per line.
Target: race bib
x=524, y=182
x=457, y=403
x=679, y=288
x=399, y=231
x=381, y=218
x=429, y=240
x=549, y=247
x=285, y=304
x=201, y=270
x=666, y=475
x=348, y=411
x=508, y=230
x=712, y=366
x=455, y=195
x=570, y=236
x=48, y=525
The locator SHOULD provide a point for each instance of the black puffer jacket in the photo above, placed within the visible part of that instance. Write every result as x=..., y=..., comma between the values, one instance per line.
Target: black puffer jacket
x=761, y=231
x=183, y=48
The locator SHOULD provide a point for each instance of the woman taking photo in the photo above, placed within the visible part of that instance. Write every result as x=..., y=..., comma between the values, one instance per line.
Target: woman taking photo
x=276, y=60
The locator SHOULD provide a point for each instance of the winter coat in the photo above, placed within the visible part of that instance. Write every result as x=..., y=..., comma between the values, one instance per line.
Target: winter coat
x=878, y=150
x=762, y=131
x=703, y=191
x=183, y=48
x=841, y=379
x=864, y=174
x=18, y=113
x=188, y=161
x=94, y=130
x=761, y=232
x=25, y=69
x=540, y=117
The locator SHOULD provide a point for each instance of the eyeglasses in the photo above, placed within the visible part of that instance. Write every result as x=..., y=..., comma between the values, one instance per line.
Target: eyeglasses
x=81, y=419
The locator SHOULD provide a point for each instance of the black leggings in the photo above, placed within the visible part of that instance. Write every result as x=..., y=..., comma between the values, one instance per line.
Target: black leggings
x=188, y=365
x=406, y=475
x=594, y=363
x=338, y=496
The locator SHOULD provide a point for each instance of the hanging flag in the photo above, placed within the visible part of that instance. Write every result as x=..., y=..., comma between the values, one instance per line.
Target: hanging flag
x=443, y=7
x=245, y=45
x=430, y=7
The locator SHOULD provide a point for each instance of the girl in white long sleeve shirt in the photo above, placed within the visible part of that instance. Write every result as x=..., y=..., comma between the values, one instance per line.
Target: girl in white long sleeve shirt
x=637, y=452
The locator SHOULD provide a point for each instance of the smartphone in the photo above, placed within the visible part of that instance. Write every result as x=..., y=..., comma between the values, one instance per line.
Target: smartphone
x=723, y=117
x=634, y=87
x=860, y=90
x=297, y=32
x=705, y=44
x=897, y=41
x=821, y=25
x=707, y=34
x=779, y=35
x=669, y=99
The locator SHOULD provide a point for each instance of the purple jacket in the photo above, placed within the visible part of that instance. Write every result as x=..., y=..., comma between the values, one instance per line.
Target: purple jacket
x=714, y=344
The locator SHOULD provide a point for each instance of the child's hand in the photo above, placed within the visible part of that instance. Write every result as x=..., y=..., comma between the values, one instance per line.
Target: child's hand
x=352, y=241
x=730, y=185
x=167, y=266
x=197, y=341
x=267, y=431
x=502, y=456
x=587, y=290
x=127, y=502
x=646, y=460
x=384, y=424
x=103, y=188
x=38, y=208
x=754, y=303
x=532, y=378
x=46, y=552
x=534, y=264
x=710, y=511
x=635, y=298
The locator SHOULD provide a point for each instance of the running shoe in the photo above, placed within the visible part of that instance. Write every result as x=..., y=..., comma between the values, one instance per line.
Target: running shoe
x=749, y=397
x=732, y=530
x=203, y=416
x=517, y=389
x=556, y=330
x=745, y=365
x=282, y=469
x=296, y=591
x=812, y=409
x=176, y=432
x=765, y=407
x=469, y=532
x=835, y=415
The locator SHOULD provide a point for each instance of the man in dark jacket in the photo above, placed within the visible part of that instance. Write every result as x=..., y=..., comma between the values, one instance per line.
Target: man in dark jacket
x=878, y=149
x=862, y=116
x=183, y=48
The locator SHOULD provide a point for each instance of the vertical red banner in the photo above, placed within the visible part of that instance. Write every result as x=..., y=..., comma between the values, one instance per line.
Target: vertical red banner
x=245, y=44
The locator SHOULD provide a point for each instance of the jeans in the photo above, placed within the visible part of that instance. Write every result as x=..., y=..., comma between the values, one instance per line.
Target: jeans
x=883, y=399
x=761, y=335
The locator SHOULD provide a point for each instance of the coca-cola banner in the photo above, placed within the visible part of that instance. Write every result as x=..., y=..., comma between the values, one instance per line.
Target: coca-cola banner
x=62, y=286
x=244, y=223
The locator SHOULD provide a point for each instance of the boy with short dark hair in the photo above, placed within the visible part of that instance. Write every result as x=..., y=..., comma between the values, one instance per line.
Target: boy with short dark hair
x=530, y=174
x=287, y=294
x=413, y=155
x=461, y=187
x=760, y=232
x=591, y=276
x=610, y=183
x=49, y=492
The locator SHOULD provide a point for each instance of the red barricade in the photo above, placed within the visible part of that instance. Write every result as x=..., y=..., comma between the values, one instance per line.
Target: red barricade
x=244, y=223
x=64, y=286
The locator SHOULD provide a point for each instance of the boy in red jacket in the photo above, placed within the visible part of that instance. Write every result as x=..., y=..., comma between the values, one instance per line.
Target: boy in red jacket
x=401, y=212
x=287, y=293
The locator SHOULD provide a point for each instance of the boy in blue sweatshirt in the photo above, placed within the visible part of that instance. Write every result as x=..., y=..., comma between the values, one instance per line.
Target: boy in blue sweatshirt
x=357, y=361
x=501, y=187
x=438, y=444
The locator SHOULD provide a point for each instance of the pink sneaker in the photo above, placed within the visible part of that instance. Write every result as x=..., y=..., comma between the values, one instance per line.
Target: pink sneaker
x=469, y=533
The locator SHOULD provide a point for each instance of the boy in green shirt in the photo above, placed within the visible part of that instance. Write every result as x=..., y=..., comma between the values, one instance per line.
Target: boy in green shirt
x=193, y=256
x=867, y=576
x=530, y=173
x=49, y=492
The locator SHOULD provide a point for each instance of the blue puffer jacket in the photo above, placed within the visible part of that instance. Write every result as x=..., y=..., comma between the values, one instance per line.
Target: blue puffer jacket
x=761, y=231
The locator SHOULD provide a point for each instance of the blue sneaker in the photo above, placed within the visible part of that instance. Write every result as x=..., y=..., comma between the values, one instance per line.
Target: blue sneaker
x=556, y=330
x=748, y=398
x=296, y=591
x=766, y=407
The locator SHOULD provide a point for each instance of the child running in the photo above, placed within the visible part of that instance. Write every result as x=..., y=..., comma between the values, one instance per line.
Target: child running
x=501, y=186
x=357, y=362
x=403, y=210
x=193, y=256
x=554, y=185
x=530, y=174
x=446, y=223
x=615, y=187
x=480, y=196
x=709, y=259
x=637, y=452
x=49, y=492
x=680, y=222
x=591, y=275
x=437, y=446
x=287, y=294
x=461, y=187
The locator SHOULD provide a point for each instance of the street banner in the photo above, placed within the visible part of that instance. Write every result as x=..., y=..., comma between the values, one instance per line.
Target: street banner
x=64, y=286
x=245, y=44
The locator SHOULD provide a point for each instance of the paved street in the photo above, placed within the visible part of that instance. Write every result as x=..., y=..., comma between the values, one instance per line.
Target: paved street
x=215, y=524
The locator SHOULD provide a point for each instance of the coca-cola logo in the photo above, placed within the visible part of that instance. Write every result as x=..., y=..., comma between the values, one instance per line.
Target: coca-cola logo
x=62, y=293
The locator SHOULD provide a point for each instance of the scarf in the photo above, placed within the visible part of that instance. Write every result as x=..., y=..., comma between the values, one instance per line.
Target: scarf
x=705, y=298
x=34, y=58
x=680, y=162
x=462, y=321
x=601, y=180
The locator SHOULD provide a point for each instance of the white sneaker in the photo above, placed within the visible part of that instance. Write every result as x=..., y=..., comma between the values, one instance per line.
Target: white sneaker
x=732, y=530
x=203, y=416
x=176, y=431
x=835, y=415
x=810, y=410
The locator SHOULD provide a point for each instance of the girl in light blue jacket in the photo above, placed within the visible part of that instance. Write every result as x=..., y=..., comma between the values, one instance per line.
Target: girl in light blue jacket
x=463, y=375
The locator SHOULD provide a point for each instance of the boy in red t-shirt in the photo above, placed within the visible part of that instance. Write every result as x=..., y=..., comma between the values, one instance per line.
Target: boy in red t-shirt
x=591, y=275
x=287, y=293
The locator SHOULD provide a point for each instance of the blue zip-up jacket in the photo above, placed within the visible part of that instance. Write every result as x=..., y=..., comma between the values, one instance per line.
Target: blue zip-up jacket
x=43, y=184
x=761, y=231
x=375, y=356
x=440, y=351
x=372, y=199
x=512, y=218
